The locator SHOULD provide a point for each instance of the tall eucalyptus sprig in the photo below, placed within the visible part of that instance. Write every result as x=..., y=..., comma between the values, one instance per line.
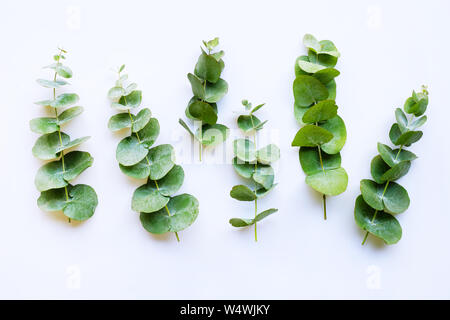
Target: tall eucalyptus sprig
x=323, y=134
x=208, y=88
x=160, y=211
x=77, y=202
x=253, y=164
x=382, y=198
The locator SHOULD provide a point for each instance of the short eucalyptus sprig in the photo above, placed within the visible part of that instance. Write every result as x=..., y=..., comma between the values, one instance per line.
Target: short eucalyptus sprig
x=323, y=134
x=77, y=202
x=159, y=211
x=254, y=164
x=208, y=88
x=382, y=198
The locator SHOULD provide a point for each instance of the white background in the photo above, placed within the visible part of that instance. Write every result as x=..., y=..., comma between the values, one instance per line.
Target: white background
x=388, y=48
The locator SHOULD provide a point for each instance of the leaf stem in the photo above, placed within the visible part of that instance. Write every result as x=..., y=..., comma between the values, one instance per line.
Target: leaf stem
x=324, y=207
x=256, y=197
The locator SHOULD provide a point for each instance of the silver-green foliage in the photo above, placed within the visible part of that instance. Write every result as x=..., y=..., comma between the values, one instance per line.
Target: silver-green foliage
x=382, y=198
x=323, y=133
x=208, y=88
x=160, y=211
x=53, y=179
x=253, y=164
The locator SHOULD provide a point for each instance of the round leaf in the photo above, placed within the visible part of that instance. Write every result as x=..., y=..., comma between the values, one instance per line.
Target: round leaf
x=248, y=123
x=244, y=169
x=242, y=193
x=337, y=127
x=142, y=119
x=264, y=175
x=265, y=214
x=69, y=114
x=268, y=154
x=131, y=100
x=203, y=111
x=65, y=100
x=71, y=144
x=397, y=171
x=308, y=90
x=63, y=71
x=377, y=168
x=208, y=68
x=149, y=133
x=326, y=75
x=212, y=135
x=382, y=225
x=172, y=181
x=44, y=125
x=244, y=149
x=239, y=223
x=329, y=182
x=215, y=91
x=183, y=210
x=46, y=147
x=321, y=111
x=148, y=199
x=140, y=170
x=129, y=151
x=311, y=136
x=82, y=203
x=309, y=67
x=52, y=200
x=393, y=157
x=310, y=160
x=261, y=192
x=116, y=92
x=119, y=121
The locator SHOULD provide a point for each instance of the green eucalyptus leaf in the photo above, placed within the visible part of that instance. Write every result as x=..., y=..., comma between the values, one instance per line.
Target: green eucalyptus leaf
x=53, y=199
x=140, y=170
x=244, y=169
x=401, y=119
x=203, y=111
x=53, y=176
x=321, y=111
x=377, y=168
x=71, y=144
x=65, y=100
x=116, y=92
x=299, y=112
x=329, y=182
x=311, y=42
x=208, y=68
x=309, y=67
x=172, y=181
x=186, y=127
x=268, y=154
x=264, y=175
x=311, y=136
x=393, y=157
x=261, y=192
x=242, y=193
x=416, y=106
x=197, y=86
x=395, y=133
x=120, y=121
x=382, y=225
x=265, y=214
x=63, y=71
x=142, y=119
x=244, y=149
x=46, y=146
x=69, y=114
x=331, y=87
x=51, y=84
x=259, y=106
x=392, y=198
x=212, y=135
x=310, y=160
x=239, y=223
x=337, y=127
x=326, y=75
x=327, y=47
x=131, y=100
x=82, y=203
x=129, y=151
x=417, y=123
x=215, y=91
x=149, y=133
x=183, y=212
x=408, y=138
x=298, y=70
x=308, y=90
x=44, y=125
x=147, y=198
x=396, y=172
x=162, y=160
x=248, y=123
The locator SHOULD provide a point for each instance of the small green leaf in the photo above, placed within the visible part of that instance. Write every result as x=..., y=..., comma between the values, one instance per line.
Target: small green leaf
x=377, y=168
x=162, y=160
x=308, y=90
x=63, y=71
x=65, y=100
x=147, y=198
x=149, y=133
x=417, y=123
x=337, y=127
x=119, y=121
x=183, y=211
x=310, y=160
x=208, y=68
x=185, y=126
x=397, y=171
x=46, y=147
x=244, y=149
x=122, y=67
x=248, y=123
x=212, y=135
x=82, y=203
x=329, y=182
x=216, y=91
x=311, y=136
x=264, y=175
x=131, y=100
x=140, y=170
x=309, y=67
x=69, y=114
x=52, y=200
x=259, y=106
x=265, y=214
x=142, y=119
x=393, y=157
x=44, y=125
x=261, y=192
x=408, y=138
x=116, y=92
x=268, y=154
x=71, y=144
x=321, y=111
x=242, y=193
x=311, y=42
x=401, y=119
x=239, y=223
x=203, y=111
x=51, y=84
x=244, y=169
x=172, y=181
x=382, y=225
x=129, y=151
x=326, y=76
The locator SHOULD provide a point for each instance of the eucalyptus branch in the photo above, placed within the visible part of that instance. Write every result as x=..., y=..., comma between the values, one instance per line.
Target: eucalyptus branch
x=77, y=202
x=323, y=133
x=253, y=164
x=382, y=198
x=208, y=88
x=160, y=211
